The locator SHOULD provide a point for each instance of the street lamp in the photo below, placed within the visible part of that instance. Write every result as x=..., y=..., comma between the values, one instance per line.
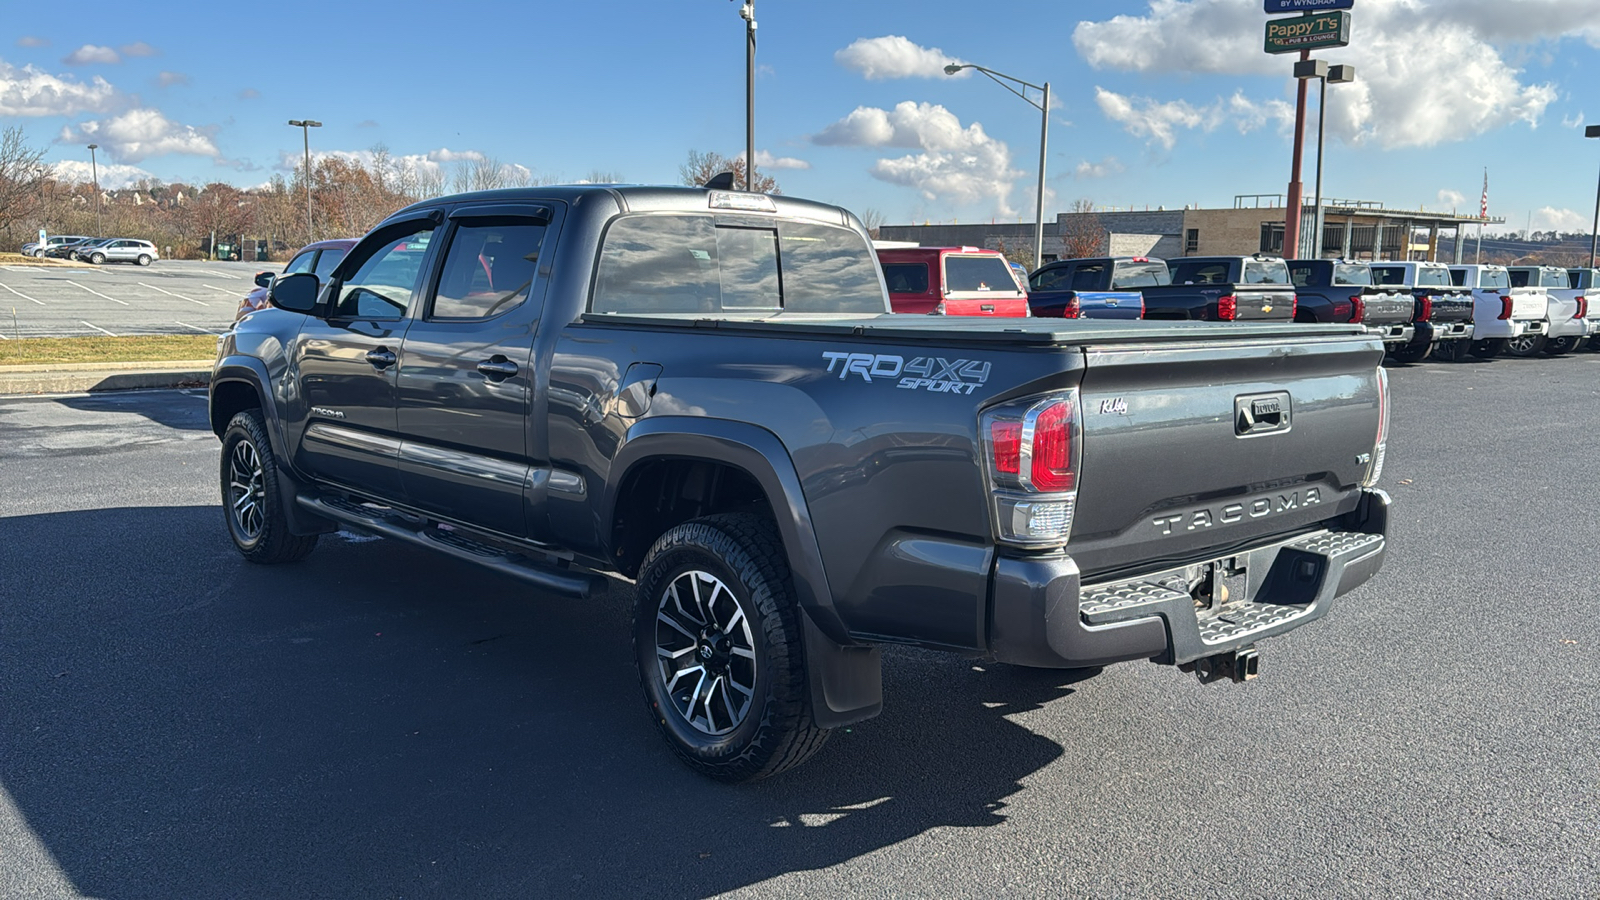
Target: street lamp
x=1044, y=139
x=1593, y=131
x=94, y=169
x=1326, y=74
x=305, y=126
x=747, y=12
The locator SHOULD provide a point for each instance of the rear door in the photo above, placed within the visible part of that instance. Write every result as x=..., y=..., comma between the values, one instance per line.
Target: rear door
x=1195, y=447
x=345, y=362
x=466, y=374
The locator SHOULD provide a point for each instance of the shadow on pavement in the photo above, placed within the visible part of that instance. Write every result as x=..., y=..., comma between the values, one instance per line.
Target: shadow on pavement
x=184, y=410
x=373, y=721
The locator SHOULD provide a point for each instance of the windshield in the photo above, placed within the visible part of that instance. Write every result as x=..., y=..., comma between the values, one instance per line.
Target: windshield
x=1433, y=276
x=1352, y=274
x=978, y=273
x=1140, y=274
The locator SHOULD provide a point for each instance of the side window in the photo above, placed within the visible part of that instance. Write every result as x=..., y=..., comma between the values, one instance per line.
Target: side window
x=1300, y=275
x=383, y=283
x=1048, y=279
x=488, y=269
x=906, y=278
x=658, y=264
x=1087, y=278
x=330, y=258
x=301, y=263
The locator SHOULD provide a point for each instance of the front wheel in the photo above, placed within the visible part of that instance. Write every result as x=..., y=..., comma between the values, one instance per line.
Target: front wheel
x=97, y=258
x=251, y=501
x=1525, y=346
x=717, y=642
x=38, y=254
x=144, y=259
x=1488, y=348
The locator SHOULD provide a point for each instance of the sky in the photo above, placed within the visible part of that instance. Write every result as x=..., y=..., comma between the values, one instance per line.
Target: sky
x=1154, y=102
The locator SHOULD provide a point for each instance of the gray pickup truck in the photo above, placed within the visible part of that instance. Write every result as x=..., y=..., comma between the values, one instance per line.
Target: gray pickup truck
x=702, y=390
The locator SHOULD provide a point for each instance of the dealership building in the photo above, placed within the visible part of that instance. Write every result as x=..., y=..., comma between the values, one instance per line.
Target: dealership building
x=1352, y=229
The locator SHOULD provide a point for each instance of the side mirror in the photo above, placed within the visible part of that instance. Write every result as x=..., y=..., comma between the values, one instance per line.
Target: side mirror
x=263, y=279
x=295, y=293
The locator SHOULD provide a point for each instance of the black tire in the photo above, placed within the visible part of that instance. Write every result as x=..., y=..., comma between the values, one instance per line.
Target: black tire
x=97, y=258
x=1412, y=353
x=1487, y=349
x=774, y=730
x=1561, y=345
x=144, y=259
x=1525, y=346
x=1450, y=351
x=251, y=502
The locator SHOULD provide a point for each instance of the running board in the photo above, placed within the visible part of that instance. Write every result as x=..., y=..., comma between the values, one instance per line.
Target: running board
x=458, y=544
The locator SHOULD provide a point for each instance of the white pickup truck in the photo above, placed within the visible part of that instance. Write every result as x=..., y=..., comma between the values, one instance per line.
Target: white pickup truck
x=1567, y=312
x=1584, y=284
x=1500, y=312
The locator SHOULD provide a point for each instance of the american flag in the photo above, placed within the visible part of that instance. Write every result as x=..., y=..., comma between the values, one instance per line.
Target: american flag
x=1483, y=205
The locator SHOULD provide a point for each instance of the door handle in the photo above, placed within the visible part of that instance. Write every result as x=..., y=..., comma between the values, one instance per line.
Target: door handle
x=497, y=368
x=381, y=358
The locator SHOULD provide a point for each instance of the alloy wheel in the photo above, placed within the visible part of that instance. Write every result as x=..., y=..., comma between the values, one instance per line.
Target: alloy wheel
x=705, y=652
x=246, y=490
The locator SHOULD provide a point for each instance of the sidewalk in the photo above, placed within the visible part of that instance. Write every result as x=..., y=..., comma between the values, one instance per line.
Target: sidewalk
x=72, y=378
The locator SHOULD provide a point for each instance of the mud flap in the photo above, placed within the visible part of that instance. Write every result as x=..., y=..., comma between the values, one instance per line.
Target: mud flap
x=846, y=682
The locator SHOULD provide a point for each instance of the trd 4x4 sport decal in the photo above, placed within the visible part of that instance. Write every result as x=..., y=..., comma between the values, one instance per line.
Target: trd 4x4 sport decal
x=924, y=373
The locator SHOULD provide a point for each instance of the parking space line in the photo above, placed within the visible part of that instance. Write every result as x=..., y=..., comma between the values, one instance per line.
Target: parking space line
x=229, y=291
x=218, y=274
x=171, y=294
x=94, y=292
x=21, y=294
x=95, y=327
x=196, y=328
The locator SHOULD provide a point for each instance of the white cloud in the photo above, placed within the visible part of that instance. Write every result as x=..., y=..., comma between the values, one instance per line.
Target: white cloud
x=1549, y=218
x=113, y=176
x=249, y=94
x=1248, y=115
x=1108, y=166
x=893, y=56
x=960, y=164
x=1156, y=122
x=1574, y=121
x=1427, y=71
x=31, y=41
x=445, y=154
x=138, y=134
x=89, y=54
x=29, y=92
x=765, y=160
x=168, y=79
x=139, y=49
x=1452, y=199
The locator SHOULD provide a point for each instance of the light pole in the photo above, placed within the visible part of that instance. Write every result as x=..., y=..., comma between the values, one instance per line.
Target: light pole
x=747, y=12
x=1044, y=140
x=305, y=126
x=1326, y=74
x=94, y=169
x=1593, y=131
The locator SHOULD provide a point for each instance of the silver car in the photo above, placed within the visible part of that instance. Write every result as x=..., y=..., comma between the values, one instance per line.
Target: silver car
x=121, y=250
x=34, y=248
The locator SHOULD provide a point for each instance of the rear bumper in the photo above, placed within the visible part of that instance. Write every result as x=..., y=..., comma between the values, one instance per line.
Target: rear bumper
x=1044, y=616
x=1509, y=328
x=1395, y=333
x=1570, y=327
x=1433, y=332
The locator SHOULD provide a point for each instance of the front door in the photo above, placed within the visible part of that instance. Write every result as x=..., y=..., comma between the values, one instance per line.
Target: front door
x=466, y=374
x=346, y=362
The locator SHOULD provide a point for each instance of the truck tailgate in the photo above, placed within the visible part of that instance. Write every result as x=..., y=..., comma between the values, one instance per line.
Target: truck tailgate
x=1452, y=306
x=1529, y=303
x=1386, y=307
x=1257, y=302
x=1193, y=450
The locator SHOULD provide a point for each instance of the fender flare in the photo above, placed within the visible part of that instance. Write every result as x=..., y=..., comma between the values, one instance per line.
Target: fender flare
x=846, y=678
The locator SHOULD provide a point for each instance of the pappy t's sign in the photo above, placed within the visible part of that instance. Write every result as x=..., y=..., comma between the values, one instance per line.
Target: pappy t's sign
x=1308, y=32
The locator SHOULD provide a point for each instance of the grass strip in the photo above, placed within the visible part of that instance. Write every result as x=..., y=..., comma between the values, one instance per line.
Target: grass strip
x=44, y=262
x=138, y=348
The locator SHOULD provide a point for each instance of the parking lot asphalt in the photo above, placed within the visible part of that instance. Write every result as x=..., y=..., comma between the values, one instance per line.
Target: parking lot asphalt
x=175, y=722
x=167, y=297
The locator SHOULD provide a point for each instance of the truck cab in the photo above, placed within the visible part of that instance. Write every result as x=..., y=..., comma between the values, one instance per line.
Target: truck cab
x=1501, y=313
x=1566, y=310
x=951, y=281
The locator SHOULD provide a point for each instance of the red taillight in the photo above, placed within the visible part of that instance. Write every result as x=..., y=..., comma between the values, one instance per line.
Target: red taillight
x=1425, y=314
x=1294, y=305
x=1006, y=439
x=1505, y=307
x=1583, y=308
x=1052, y=448
x=1227, y=308
x=1358, y=308
x=1071, y=310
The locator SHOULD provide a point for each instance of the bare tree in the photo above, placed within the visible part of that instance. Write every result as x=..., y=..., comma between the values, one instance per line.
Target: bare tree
x=872, y=219
x=1082, y=233
x=700, y=168
x=598, y=176
x=23, y=176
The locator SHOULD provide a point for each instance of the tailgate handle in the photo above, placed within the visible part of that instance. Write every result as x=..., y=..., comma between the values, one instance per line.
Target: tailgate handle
x=1259, y=414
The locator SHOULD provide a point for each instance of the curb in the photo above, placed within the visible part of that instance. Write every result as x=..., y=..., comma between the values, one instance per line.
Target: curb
x=74, y=378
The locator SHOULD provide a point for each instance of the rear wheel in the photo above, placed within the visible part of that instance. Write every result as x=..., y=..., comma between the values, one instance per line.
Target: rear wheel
x=250, y=497
x=1450, y=351
x=1525, y=346
x=144, y=259
x=1487, y=349
x=1559, y=345
x=717, y=642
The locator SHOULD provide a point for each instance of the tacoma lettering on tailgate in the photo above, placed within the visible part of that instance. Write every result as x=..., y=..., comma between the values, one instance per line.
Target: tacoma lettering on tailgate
x=1260, y=507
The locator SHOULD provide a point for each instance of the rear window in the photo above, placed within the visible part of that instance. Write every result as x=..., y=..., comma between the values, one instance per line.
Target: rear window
x=1493, y=278
x=906, y=278
x=1553, y=278
x=964, y=274
x=1138, y=275
x=1354, y=275
x=1300, y=275
x=1433, y=276
x=685, y=263
x=1200, y=273
x=1265, y=271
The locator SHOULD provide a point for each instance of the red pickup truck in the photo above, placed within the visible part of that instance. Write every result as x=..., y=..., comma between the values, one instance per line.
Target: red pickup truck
x=951, y=281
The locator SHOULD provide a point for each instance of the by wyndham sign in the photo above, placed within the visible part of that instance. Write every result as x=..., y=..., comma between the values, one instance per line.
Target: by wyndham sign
x=1294, y=6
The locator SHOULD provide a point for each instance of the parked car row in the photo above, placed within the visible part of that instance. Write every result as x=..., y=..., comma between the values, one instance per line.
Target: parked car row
x=1417, y=308
x=93, y=249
